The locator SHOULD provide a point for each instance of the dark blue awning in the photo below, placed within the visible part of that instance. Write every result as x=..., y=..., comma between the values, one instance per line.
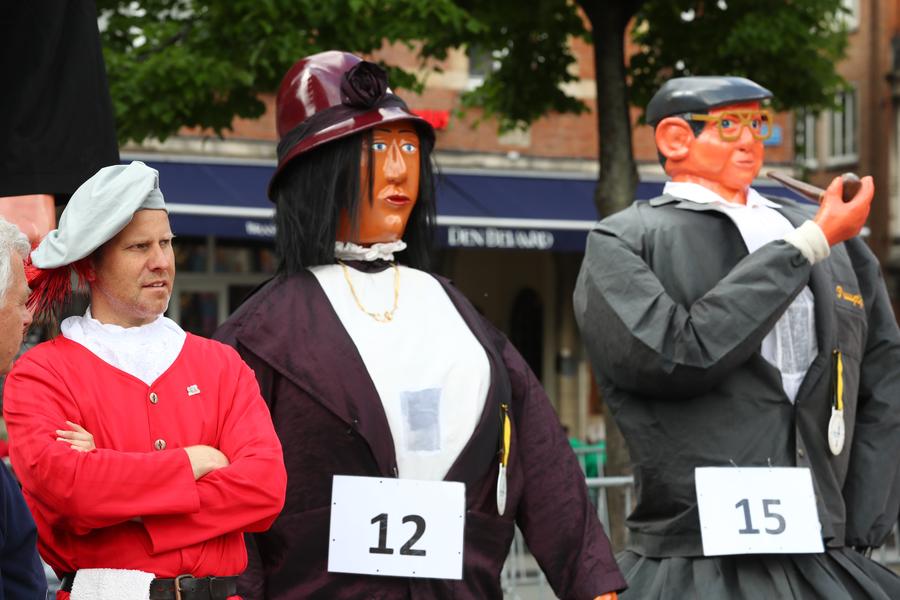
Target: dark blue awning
x=475, y=210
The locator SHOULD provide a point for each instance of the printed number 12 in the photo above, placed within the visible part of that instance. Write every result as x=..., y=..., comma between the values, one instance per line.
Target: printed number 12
x=769, y=514
x=407, y=548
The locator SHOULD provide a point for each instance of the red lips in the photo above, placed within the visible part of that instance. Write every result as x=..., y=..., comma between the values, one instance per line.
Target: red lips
x=397, y=199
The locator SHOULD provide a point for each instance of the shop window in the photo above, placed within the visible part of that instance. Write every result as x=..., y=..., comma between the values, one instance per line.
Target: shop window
x=242, y=257
x=199, y=312
x=843, y=129
x=805, y=139
x=191, y=255
x=526, y=329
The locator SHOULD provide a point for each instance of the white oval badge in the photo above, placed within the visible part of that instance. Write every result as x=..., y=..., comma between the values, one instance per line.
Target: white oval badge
x=836, y=431
x=501, y=491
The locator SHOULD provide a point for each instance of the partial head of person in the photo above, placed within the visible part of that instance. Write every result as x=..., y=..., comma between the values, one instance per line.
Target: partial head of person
x=710, y=131
x=115, y=235
x=15, y=318
x=354, y=163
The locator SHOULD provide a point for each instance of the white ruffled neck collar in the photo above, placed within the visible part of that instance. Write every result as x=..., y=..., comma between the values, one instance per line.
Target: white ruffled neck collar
x=145, y=351
x=383, y=251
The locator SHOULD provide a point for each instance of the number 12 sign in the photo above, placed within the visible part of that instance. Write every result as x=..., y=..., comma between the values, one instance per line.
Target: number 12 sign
x=757, y=510
x=399, y=527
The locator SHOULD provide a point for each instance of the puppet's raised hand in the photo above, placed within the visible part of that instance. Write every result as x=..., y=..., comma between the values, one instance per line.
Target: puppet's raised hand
x=609, y=596
x=77, y=436
x=841, y=220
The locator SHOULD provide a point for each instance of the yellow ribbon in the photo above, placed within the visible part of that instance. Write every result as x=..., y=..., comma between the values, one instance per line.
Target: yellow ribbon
x=839, y=384
x=507, y=434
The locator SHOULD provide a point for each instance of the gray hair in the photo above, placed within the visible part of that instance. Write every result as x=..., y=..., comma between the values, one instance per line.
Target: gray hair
x=12, y=241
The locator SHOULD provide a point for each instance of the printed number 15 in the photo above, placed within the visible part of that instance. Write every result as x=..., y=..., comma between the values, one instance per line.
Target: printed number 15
x=769, y=514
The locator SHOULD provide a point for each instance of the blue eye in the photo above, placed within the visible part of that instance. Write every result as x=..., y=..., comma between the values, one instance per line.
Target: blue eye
x=379, y=146
x=727, y=123
x=408, y=148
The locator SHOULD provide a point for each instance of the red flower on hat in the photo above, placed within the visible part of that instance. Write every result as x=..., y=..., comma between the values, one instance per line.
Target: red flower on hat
x=364, y=85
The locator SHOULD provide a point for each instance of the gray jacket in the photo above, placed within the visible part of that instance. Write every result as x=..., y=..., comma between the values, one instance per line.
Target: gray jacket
x=673, y=310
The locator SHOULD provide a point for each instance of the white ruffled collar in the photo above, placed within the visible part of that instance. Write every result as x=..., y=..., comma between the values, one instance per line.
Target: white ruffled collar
x=384, y=251
x=144, y=352
x=116, y=333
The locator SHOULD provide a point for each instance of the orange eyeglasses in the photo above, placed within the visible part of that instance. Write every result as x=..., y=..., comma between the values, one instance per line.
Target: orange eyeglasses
x=732, y=122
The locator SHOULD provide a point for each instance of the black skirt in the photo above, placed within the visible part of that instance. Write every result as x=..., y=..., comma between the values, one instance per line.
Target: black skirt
x=838, y=574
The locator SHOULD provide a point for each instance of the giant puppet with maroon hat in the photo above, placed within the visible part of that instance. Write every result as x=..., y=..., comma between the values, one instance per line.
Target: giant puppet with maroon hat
x=415, y=436
x=747, y=348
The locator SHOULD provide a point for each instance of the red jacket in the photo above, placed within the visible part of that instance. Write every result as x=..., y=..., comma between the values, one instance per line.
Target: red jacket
x=128, y=504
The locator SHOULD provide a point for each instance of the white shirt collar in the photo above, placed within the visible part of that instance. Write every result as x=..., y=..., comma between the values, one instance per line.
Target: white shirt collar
x=384, y=251
x=144, y=352
x=694, y=192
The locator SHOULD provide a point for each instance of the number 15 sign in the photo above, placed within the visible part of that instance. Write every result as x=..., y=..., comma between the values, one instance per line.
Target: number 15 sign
x=757, y=510
x=399, y=527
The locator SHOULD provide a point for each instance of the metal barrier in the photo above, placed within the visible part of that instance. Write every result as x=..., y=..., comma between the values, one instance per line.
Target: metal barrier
x=522, y=578
x=889, y=553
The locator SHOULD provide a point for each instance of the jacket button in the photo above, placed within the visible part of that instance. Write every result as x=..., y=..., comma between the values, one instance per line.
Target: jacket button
x=153, y=398
x=160, y=444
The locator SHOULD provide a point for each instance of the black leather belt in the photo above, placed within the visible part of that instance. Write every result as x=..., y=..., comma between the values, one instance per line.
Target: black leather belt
x=183, y=587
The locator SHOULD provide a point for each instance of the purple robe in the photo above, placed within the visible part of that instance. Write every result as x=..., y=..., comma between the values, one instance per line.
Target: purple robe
x=331, y=422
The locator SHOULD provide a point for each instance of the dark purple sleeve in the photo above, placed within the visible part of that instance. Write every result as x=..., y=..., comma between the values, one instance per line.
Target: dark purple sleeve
x=252, y=582
x=558, y=521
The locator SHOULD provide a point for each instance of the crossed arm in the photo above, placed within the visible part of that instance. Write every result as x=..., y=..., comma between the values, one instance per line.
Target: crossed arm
x=203, y=491
x=204, y=459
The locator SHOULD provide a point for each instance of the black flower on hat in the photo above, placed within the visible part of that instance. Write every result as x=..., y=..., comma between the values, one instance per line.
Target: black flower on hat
x=363, y=85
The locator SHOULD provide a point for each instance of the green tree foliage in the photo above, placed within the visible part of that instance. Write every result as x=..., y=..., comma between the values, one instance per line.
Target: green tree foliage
x=790, y=47
x=175, y=63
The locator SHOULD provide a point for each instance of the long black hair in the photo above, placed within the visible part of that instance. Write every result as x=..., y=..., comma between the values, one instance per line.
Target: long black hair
x=314, y=188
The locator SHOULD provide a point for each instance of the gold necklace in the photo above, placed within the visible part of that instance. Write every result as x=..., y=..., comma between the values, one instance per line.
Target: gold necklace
x=388, y=315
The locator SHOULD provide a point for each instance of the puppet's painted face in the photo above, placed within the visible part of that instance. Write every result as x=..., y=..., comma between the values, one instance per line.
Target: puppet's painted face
x=385, y=208
x=728, y=164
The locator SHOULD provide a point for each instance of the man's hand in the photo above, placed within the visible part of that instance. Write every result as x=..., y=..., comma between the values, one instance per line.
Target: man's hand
x=77, y=436
x=609, y=596
x=839, y=220
x=205, y=459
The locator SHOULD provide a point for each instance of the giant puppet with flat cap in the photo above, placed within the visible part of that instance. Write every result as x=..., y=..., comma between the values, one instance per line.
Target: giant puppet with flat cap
x=144, y=452
x=748, y=352
x=415, y=436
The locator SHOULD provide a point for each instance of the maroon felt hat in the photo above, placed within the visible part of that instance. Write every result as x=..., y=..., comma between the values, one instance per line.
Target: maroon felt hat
x=331, y=95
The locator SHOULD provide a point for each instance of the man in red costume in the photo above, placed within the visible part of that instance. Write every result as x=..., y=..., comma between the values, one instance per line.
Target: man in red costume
x=144, y=452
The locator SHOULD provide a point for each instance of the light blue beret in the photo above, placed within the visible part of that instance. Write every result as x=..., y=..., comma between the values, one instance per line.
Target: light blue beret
x=98, y=210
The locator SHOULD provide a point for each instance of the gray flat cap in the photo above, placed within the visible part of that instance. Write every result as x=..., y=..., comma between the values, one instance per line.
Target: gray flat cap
x=99, y=209
x=698, y=94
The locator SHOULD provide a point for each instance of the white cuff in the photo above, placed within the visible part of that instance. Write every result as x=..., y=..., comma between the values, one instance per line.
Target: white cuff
x=810, y=240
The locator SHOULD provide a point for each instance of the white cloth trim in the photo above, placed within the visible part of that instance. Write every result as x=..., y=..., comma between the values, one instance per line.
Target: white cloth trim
x=703, y=195
x=810, y=240
x=111, y=584
x=384, y=251
x=144, y=352
x=791, y=346
x=429, y=370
